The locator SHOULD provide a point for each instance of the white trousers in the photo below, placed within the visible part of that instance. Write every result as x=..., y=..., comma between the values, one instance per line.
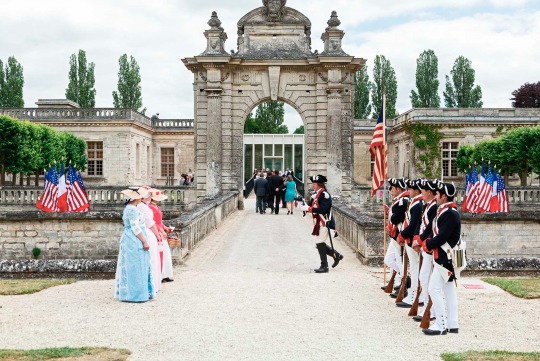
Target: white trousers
x=446, y=312
x=393, y=257
x=414, y=266
x=167, y=270
x=425, y=271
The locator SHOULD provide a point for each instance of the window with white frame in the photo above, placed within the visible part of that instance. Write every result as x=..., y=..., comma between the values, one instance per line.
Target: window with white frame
x=449, y=155
x=95, y=158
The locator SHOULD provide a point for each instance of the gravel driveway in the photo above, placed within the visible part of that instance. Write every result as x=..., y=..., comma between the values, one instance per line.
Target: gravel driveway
x=248, y=293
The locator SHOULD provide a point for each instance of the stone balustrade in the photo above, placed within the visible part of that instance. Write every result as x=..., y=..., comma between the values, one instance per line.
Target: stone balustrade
x=468, y=115
x=54, y=114
x=173, y=123
x=98, y=197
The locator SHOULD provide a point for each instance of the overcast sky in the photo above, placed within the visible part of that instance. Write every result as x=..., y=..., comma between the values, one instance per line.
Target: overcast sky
x=500, y=37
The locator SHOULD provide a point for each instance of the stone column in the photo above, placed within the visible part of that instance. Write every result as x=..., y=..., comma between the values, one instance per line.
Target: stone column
x=333, y=132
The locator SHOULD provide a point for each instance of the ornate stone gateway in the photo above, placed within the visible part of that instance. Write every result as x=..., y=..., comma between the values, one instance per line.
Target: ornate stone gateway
x=273, y=61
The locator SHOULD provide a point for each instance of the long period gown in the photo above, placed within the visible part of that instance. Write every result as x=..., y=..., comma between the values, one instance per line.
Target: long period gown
x=153, y=243
x=133, y=271
x=166, y=265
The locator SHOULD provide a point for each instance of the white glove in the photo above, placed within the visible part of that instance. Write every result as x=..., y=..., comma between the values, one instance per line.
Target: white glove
x=304, y=207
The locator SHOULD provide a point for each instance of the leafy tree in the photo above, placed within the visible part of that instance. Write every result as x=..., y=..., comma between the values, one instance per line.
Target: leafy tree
x=81, y=81
x=384, y=81
x=362, y=87
x=527, y=96
x=464, y=158
x=461, y=92
x=268, y=119
x=427, y=81
x=11, y=84
x=299, y=130
x=129, y=85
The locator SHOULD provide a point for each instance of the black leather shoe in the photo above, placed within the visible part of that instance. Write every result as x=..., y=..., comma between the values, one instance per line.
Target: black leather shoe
x=417, y=318
x=429, y=332
x=321, y=270
x=403, y=305
x=167, y=279
x=336, y=260
x=453, y=330
x=396, y=288
x=383, y=288
x=394, y=295
x=420, y=304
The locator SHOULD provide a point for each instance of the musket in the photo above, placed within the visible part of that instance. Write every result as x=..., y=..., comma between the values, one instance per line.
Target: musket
x=414, y=309
x=401, y=294
x=426, y=318
x=390, y=286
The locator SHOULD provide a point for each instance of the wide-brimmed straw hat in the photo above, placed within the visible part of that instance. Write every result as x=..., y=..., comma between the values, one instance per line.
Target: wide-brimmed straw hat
x=158, y=195
x=134, y=193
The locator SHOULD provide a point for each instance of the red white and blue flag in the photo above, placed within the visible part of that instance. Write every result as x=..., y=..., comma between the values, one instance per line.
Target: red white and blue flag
x=378, y=152
x=484, y=196
x=77, y=200
x=48, y=201
x=62, y=191
x=502, y=196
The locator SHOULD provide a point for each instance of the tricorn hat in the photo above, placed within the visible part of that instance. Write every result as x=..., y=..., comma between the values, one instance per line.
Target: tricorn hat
x=318, y=179
x=413, y=184
x=448, y=189
x=397, y=182
x=428, y=185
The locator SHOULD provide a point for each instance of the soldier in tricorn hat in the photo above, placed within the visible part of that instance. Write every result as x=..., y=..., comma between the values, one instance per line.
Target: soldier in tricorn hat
x=446, y=235
x=324, y=225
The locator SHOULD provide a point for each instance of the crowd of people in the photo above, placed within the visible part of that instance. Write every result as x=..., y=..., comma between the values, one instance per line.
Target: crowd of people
x=144, y=257
x=274, y=188
x=187, y=178
x=424, y=227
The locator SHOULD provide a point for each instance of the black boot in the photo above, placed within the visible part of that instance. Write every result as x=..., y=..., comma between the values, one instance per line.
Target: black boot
x=334, y=254
x=321, y=247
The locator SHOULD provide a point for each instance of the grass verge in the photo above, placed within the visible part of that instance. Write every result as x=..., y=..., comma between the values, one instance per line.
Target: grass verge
x=25, y=287
x=491, y=356
x=519, y=287
x=66, y=353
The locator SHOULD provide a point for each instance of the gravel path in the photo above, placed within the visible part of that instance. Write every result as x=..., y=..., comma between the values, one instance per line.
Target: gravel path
x=248, y=293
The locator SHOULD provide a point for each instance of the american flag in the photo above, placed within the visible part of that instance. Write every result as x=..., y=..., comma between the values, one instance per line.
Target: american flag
x=472, y=205
x=501, y=195
x=48, y=201
x=378, y=151
x=77, y=200
x=485, y=192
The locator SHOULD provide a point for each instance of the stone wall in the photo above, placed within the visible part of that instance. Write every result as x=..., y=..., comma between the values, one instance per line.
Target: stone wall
x=494, y=241
x=89, y=242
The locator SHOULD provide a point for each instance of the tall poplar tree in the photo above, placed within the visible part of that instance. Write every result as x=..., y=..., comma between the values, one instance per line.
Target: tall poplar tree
x=129, y=93
x=362, y=87
x=11, y=84
x=461, y=92
x=427, y=82
x=384, y=81
x=81, y=81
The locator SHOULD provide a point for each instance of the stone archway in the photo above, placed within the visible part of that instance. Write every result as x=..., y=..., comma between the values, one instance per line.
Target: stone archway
x=273, y=61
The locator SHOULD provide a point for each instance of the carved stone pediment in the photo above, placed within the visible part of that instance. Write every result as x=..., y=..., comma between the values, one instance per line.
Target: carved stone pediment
x=274, y=31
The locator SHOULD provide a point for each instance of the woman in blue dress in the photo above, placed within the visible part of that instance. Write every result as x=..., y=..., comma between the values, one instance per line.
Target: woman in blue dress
x=290, y=193
x=133, y=272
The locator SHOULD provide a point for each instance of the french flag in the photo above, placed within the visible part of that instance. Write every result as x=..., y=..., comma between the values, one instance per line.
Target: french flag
x=62, y=191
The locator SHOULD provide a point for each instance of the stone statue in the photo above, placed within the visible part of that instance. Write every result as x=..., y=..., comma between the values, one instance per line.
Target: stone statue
x=274, y=9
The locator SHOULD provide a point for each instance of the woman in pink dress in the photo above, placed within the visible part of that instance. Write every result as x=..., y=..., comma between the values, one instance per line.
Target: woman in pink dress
x=166, y=257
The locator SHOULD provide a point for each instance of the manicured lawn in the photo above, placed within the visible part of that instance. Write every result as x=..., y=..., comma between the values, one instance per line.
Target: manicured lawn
x=24, y=287
x=491, y=356
x=66, y=353
x=519, y=287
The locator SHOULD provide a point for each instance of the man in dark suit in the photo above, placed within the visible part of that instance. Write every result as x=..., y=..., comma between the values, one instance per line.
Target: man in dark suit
x=276, y=185
x=261, y=190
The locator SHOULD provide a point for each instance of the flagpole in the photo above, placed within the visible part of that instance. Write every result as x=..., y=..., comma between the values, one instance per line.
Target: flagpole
x=384, y=182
